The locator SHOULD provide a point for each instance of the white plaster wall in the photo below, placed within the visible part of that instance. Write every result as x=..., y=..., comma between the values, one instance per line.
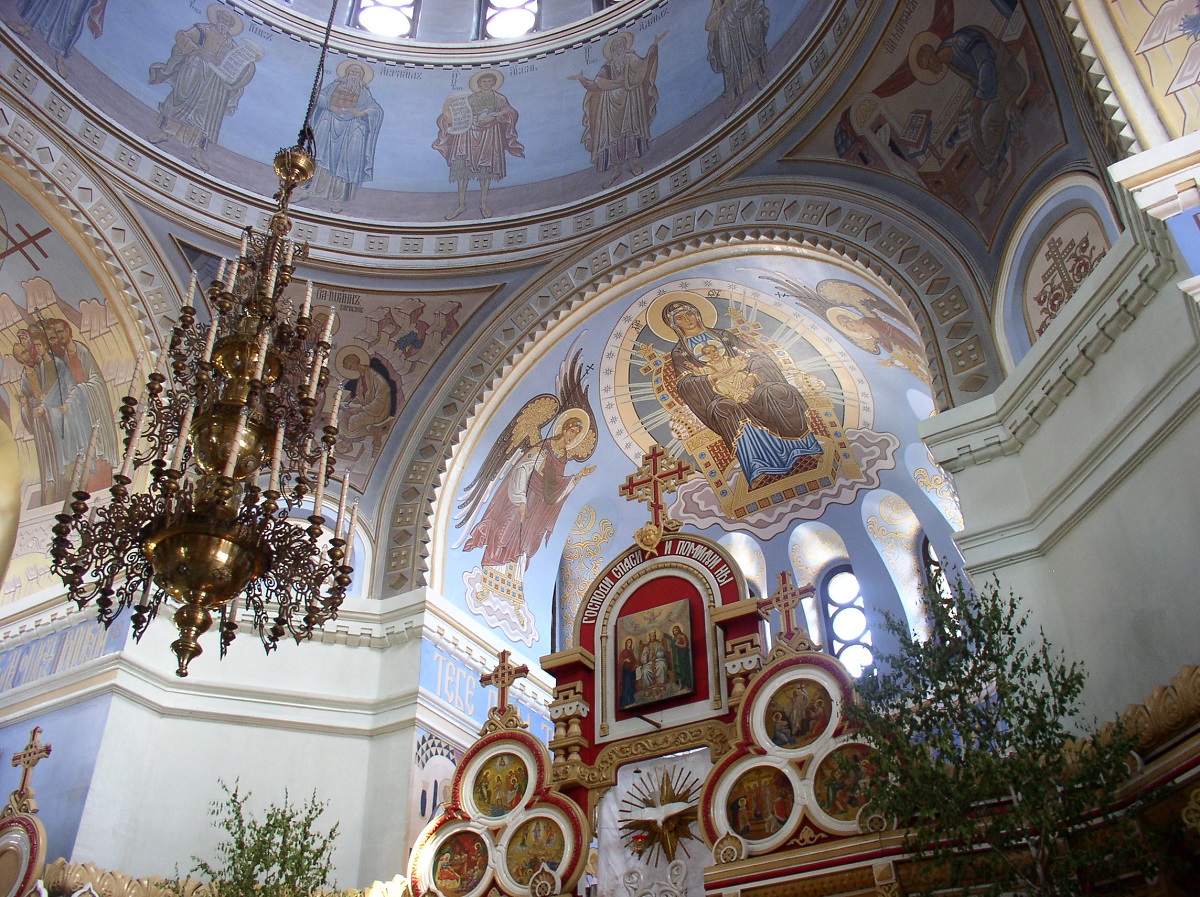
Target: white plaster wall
x=1077, y=477
x=312, y=717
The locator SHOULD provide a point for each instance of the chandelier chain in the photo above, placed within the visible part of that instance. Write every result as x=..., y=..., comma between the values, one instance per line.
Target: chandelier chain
x=306, y=140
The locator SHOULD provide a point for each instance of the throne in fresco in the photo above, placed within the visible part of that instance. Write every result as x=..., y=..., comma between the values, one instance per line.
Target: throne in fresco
x=718, y=465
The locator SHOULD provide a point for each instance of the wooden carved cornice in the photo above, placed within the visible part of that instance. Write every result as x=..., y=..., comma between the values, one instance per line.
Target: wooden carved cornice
x=1169, y=711
x=603, y=773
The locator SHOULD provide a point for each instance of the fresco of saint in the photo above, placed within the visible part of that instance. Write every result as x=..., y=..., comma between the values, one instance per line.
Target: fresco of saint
x=997, y=83
x=208, y=71
x=62, y=396
x=477, y=131
x=739, y=393
x=60, y=24
x=510, y=509
x=954, y=102
x=374, y=397
x=346, y=124
x=737, y=45
x=620, y=106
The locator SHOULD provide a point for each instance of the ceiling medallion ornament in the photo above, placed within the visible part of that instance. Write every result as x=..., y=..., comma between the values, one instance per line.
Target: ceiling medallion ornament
x=657, y=817
x=228, y=406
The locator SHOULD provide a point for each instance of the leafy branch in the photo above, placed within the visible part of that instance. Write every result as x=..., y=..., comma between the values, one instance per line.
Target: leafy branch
x=983, y=758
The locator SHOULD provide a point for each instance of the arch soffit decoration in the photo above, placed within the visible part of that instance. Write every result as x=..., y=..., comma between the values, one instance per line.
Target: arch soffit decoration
x=220, y=210
x=1062, y=196
x=95, y=222
x=923, y=268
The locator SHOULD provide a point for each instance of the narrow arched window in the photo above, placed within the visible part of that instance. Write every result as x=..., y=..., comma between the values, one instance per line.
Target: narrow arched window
x=386, y=18
x=847, y=629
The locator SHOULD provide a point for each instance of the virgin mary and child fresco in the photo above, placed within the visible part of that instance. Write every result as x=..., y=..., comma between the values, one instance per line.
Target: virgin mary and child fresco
x=740, y=393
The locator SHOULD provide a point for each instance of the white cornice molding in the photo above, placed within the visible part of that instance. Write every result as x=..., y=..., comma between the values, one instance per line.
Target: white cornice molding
x=1140, y=264
x=1163, y=179
x=1137, y=270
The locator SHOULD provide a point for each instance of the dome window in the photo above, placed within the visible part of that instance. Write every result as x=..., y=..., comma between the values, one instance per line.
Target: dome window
x=386, y=18
x=509, y=18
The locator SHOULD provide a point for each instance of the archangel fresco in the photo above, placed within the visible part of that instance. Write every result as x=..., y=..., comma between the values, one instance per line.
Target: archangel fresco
x=737, y=45
x=207, y=71
x=477, y=132
x=865, y=318
x=619, y=106
x=511, y=506
x=955, y=102
x=760, y=802
x=500, y=784
x=61, y=23
x=536, y=842
x=460, y=863
x=654, y=661
x=756, y=391
x=346, y=125
x=841, y=782
x=797, y=714
x=64, y=365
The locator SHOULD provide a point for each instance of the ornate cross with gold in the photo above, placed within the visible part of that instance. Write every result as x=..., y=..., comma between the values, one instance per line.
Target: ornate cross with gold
x=21, y=800
x=503, y=676
x=658, y=475
x=785, y=599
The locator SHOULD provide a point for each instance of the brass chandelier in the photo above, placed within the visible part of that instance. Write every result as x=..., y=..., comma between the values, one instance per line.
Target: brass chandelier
x=229, y=405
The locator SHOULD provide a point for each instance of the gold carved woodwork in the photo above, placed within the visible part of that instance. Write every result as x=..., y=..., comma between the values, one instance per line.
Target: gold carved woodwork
x=729, y=849
x=1170, y=710
x=603, y=773
x=1191, y=813
x=852, y=881
x=743, y=658
x=62, y=879
x=567, y=710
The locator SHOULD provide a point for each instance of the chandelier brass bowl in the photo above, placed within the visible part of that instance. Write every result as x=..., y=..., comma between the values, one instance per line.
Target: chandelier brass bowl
x=231, y=403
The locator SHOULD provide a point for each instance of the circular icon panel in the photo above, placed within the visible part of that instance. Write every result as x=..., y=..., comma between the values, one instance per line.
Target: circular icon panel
x=760, y=803
x=459, y=864
x=841, y=784
x=536, y=842
x=500, y=784
x=797, y=714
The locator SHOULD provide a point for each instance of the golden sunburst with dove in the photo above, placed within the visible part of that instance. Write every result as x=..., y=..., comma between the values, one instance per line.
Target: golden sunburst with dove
x=657, y=816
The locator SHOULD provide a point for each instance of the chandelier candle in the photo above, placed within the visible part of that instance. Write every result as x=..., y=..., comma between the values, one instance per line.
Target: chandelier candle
x=231, y=404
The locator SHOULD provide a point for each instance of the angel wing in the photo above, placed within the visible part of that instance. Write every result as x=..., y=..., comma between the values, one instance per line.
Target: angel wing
x=522, y=433
x=527, y=429
x=573, y=395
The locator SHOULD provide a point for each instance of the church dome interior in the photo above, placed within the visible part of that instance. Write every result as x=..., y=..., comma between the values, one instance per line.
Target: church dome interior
x=896, y=289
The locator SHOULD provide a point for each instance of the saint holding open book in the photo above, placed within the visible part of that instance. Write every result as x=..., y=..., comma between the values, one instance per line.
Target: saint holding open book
x=208, y=71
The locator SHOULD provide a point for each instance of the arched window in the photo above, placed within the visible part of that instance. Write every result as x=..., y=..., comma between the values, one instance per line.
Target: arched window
x=509, y=18
x=386, y=18
x=848, y=634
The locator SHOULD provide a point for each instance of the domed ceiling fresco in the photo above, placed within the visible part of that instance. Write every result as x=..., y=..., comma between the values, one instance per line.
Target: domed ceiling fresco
x=399, y=130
